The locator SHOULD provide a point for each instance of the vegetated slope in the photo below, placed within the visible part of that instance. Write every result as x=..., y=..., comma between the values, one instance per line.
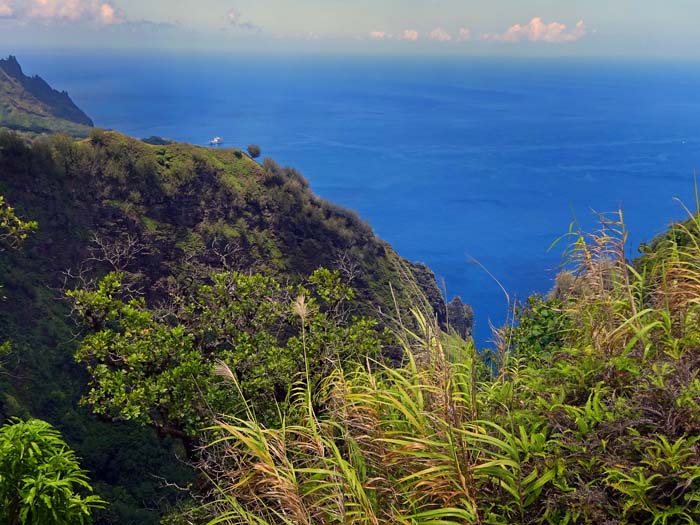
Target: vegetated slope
x=29, y=104
x=590, y=413
x=169, y=215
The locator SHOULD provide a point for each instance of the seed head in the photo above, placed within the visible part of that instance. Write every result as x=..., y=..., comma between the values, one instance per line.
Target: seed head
x=301, y=307
x=223, y=370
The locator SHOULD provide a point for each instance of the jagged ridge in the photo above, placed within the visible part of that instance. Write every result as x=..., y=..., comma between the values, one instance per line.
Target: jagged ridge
x=30, y=104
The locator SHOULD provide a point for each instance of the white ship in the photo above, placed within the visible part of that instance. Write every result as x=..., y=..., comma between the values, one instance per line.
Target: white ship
x=216, y=141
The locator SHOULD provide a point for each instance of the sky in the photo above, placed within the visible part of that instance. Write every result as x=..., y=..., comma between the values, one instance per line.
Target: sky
x=502, y=27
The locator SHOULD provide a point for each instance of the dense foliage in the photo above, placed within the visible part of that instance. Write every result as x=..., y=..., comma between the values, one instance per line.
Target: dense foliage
x=593, y=415
x=40, y=479
x=190, y=287
x=158, y=368
x=166, y=217
x=13, y=230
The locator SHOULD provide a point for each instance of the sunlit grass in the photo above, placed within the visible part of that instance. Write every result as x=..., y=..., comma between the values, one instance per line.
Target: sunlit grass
x=598, y=426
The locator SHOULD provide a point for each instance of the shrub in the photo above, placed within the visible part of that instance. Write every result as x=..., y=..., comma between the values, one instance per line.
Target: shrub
x=98, y=137
x=254, y=151
x=40, y=478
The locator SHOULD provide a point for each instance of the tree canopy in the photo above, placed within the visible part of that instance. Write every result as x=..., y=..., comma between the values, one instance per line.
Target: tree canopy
x=254, y=151
x=173, y=367
x=13, y=230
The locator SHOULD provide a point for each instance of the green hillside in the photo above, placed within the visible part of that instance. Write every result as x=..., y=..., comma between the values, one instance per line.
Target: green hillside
x=588, y=412
x=168, y=216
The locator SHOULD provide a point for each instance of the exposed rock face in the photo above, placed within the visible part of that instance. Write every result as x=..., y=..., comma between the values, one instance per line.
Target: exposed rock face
x=425, y=278
x=460, y=317
x=455, y=314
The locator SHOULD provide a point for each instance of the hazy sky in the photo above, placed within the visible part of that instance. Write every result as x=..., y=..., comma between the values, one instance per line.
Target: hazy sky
x=515, y=27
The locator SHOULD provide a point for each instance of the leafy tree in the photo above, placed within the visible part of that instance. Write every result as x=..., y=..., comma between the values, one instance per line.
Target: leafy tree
x=159, y=367
x=13, y=230
x=254, y=151
x=40, y=478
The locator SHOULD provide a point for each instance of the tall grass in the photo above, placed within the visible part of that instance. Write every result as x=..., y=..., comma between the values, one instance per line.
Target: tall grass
x=601, y=427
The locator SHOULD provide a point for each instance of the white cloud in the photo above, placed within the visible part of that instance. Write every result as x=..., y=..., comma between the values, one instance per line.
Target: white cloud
x=440, y=35
x=464, y=34
x=538, y=31
x=107, y=14
x=379, y=35
x=73, y=11
x=95, y=11
x=579, y=31
x=410, y=34
x=234, y=19
x=6, y=9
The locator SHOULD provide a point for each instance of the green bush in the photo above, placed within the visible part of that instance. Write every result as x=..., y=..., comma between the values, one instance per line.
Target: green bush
x=41, y=481
x=254, y=151
x=162, y=371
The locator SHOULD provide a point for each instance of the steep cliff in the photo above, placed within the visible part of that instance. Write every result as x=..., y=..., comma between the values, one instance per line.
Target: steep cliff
x=29, y=104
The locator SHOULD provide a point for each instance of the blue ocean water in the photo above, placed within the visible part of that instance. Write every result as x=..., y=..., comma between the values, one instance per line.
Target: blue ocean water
x=450, y=160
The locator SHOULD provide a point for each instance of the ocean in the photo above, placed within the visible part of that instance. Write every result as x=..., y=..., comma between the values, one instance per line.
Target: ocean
x=451, y=160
